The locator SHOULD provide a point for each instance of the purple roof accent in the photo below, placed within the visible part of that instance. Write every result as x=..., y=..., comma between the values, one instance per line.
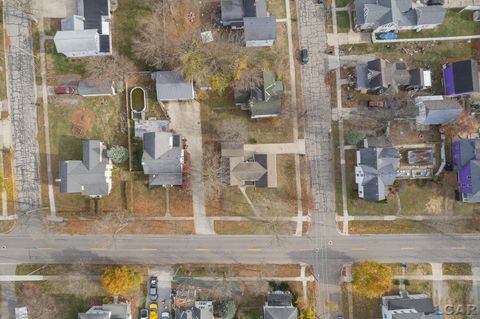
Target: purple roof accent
x=465, y=179
x=449, y=81
x=456, y=153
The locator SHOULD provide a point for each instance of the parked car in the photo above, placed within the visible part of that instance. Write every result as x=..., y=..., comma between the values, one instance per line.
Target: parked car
x=64, y=90
x=144, y=314
x=165, y=315
x=152, y=289
x=153, y=309
x=304, y=56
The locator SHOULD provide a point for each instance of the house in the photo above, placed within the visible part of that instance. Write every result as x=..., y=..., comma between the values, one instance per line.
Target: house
x=252, y=16
x=378, y=75
x=108, y=311
x=92, y=176
x=420, y=79
x=201, y=310
x=172, y=86
x=406, y=306
x=260, y=32
x=375, y=170
x=279, y=306
x=436, y=110
x=461, y=78
x=163, y=158
x=248, y=168
x=86, y=33
x=395, y=15
x=96, y=88
x=263, y=101
x=466, y=157
x=233, y=11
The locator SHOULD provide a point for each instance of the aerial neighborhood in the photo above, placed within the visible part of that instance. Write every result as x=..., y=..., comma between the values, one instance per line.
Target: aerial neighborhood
x=231, y=159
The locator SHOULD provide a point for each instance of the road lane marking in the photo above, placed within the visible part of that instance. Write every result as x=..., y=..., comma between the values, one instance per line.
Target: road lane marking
x=98, y=248
x=45, y=248
x=150, y=249
x=359, y=248
x=254, y=249
x=202, y=249
x=407, y=248
x=458, y=248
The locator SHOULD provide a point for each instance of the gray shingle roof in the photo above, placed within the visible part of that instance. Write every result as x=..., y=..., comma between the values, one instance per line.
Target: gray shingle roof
x=430, y=15
x=400, y=12
x=260, y=28
x=77, y=41
x=91, y=176
x=233, y=11
x=162, y=158
x=376, y=168
x=435, y=110
x=279, y=306
x=172, y=86
x=95, y=87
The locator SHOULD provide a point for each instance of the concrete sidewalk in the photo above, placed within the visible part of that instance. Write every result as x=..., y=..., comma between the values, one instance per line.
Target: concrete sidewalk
x=348, y=38
x=297, y=147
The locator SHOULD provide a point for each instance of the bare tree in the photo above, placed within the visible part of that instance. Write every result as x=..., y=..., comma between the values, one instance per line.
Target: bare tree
x=214, y=172
x=249, y=79
x=109, y=68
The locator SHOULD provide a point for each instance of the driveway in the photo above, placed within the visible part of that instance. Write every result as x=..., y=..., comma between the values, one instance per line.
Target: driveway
x=185, y=120
x=55, y=8
x=164, y=276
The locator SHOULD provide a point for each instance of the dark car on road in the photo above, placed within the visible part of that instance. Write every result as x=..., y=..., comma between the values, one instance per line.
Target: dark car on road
x=64, y=90
x=152, y=289
x=144, y=314
x=304, y=56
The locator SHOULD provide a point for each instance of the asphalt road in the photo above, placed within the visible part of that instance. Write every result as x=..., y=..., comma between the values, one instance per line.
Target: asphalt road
x=237, y=249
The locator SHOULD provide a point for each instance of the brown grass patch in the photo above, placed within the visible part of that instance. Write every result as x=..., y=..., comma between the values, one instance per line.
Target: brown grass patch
x=181, y=202
x=159, y=227
x=82, y=121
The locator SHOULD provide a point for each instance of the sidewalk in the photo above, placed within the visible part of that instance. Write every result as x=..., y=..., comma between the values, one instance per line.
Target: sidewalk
x=297, y=147
x=348, y=38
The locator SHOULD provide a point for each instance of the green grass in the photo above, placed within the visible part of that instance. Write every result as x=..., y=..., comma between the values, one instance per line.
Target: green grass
x=127, y=24
x=412, y=269
x=412, y=204
x=343, y=21
x=459, y=293
x=389, y=227
x=456, y=23
x=342, y=3
x=457, y=269
x=420, y=287
x=63, y=65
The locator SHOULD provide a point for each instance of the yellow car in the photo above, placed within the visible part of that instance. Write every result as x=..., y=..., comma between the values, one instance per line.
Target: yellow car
x=153, y=311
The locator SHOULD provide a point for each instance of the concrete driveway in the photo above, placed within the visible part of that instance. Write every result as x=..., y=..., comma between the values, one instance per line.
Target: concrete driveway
x=54, y=8
x=164, y=276
x=185, y=120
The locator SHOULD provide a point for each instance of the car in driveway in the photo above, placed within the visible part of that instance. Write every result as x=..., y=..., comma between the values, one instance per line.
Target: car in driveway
x=304, y=56
x=64, y=90
x=165, y=315
x=152, y=289
x=144, y=314
x=153, y=309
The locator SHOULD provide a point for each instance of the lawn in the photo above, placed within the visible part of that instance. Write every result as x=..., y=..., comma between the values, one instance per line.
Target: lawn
x=412, y=269
x=456, y=23
x=237, y=270
x=127, y=19
x=145, y=202
x=276, y=8
x=457, y=269
x=343, y=21
x=74, y=119
x=65, y=299
x=342, y=3
x=389, y=227
x=3, y=76
x=6, y=226
x=279, y=201
x=230, y=202
x=431, y=201
x=358, y=206
x=459, y=294
x=254, y=228
x=59, y=65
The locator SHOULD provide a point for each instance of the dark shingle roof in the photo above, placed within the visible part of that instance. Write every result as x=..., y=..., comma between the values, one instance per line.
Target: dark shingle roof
x=465, y=75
